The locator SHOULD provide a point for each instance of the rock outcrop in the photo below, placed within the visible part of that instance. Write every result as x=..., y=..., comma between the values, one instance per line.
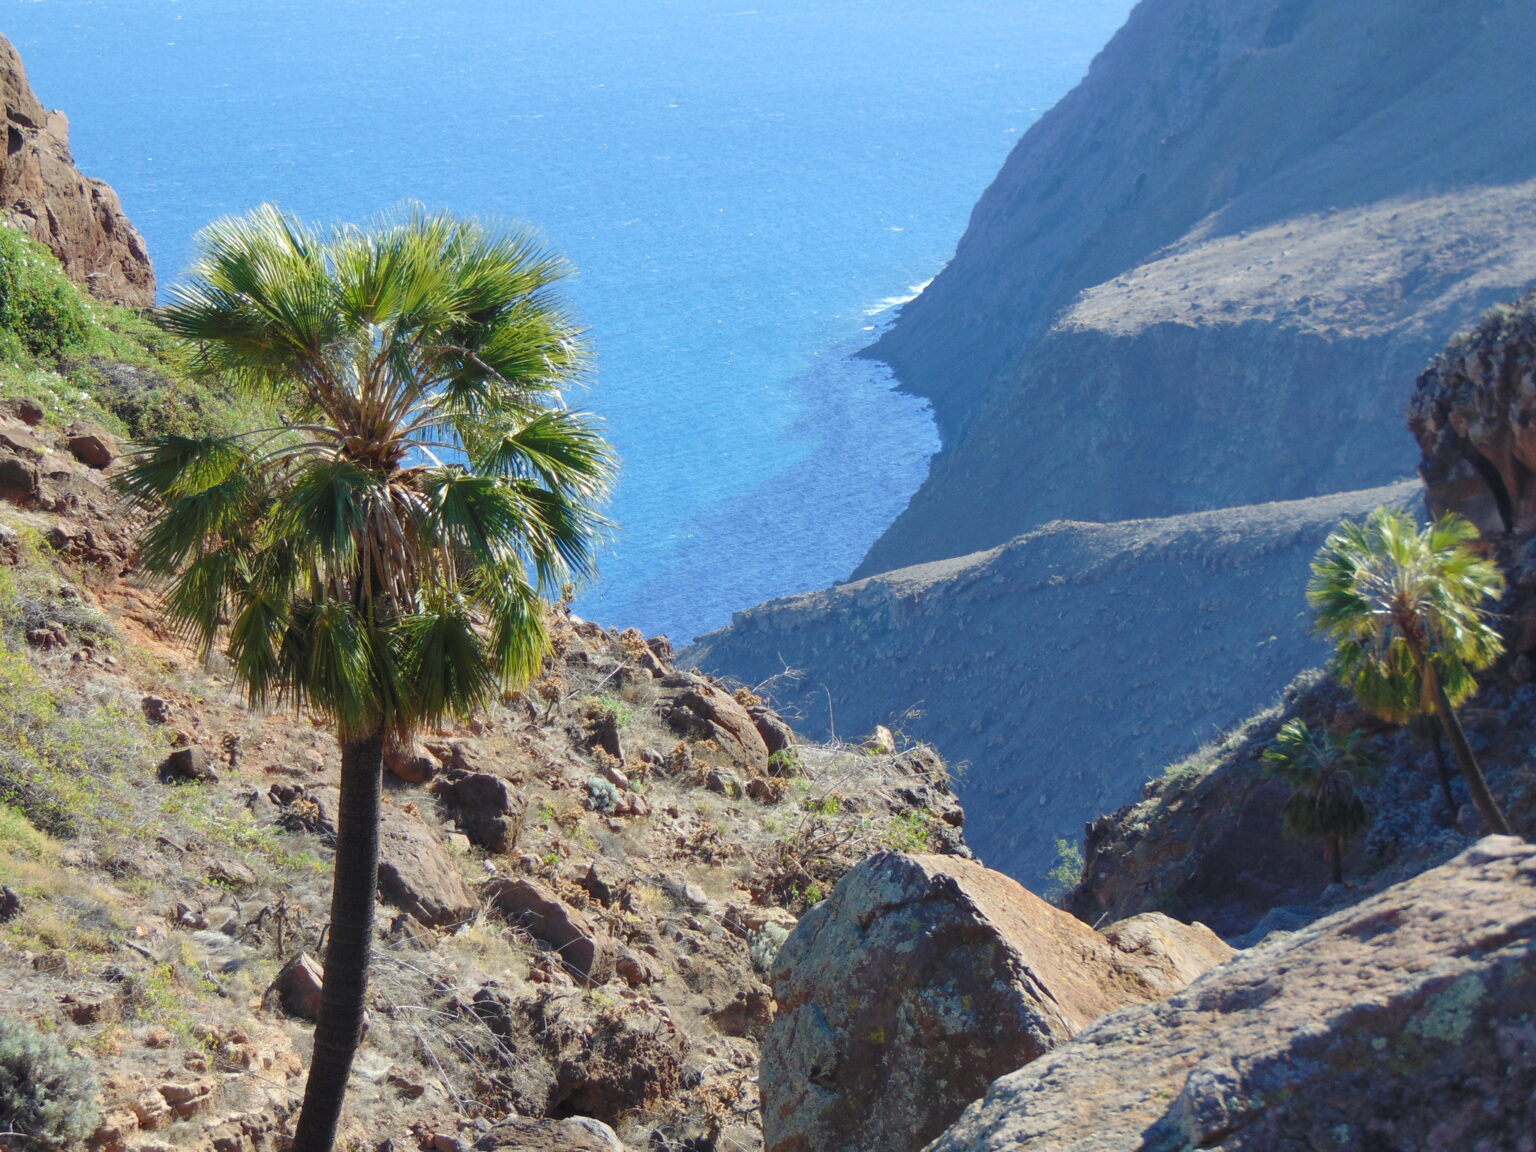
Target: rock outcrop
x=1249, y=212
x=1472, y=413
x=922, y=979
x=1405, y=1022
x=1067, y=667
x=44, y=195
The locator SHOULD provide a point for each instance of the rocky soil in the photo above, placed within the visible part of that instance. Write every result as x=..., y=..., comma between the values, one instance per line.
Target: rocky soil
x=584, y=888
x=1404, y=1022
x=44, y=195
x=1066, y=668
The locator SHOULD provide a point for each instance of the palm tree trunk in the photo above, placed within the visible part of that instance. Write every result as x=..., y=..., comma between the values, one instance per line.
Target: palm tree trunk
x=340, y=1026
x=1442, y=769
x=1333, y=849
x=1472, y=773
x=1487, y=807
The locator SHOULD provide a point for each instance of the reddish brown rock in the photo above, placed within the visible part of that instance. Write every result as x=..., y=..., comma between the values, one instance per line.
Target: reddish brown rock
x=410, y=762
x=417, y=875
x=924, y=978
x=1404, y=1022
x=298, y=985
x=43, y=194
x=583, y=950
x=705, y=712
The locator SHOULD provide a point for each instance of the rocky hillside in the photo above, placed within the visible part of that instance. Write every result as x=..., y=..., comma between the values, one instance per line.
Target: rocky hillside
x=584, y=887
x=1250, y=213
x=43, y=194
x=1065, y=668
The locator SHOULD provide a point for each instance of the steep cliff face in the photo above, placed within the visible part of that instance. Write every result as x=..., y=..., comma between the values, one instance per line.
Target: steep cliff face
x=44, y=195
x=1249, y=211
x=1067, y=666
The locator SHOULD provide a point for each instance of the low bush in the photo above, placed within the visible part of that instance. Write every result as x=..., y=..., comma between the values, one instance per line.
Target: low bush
x=47, y=1096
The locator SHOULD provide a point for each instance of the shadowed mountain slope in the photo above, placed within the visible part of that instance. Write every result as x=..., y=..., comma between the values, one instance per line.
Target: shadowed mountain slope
x=1202, y=279
x=1066, y=666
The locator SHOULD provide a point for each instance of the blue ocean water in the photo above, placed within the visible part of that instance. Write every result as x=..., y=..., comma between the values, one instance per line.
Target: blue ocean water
x=743, y=189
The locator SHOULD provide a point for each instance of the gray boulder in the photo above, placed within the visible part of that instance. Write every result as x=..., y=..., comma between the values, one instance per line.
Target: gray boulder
x=1406, y=1022
x=924, y=978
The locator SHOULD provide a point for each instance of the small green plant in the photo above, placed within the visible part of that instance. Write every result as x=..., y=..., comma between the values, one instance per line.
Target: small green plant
x=785, y=762
x=623, y=711
x=829, y=805
x=41, y=313
x=1068, y=872
x=47, y=1096
x=910, y=831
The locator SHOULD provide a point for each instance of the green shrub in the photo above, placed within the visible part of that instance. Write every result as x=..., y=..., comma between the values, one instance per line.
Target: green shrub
x=42, y=314
x=47, y=1096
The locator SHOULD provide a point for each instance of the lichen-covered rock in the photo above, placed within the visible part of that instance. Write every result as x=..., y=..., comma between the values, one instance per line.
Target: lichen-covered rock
x=924, y=978
x=43, y=194
x=1405, y=1022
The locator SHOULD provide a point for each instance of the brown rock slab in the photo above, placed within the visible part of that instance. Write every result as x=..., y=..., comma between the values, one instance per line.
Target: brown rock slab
x=578, y=1134
x=924, y=978
x=1403, y=1022
x=583, y=949
x=417, y=875
x=705, y=712
x=90, y=446
x=297, y=987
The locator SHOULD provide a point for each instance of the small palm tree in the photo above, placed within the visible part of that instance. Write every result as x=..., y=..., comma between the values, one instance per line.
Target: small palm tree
x=1324, y=772
x=1404, y=606
x=377, y=557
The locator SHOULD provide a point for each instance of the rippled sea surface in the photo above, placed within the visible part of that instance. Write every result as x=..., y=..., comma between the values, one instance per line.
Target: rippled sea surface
x=745, y=190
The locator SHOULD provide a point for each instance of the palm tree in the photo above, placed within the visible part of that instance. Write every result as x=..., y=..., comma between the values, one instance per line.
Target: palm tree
x=377, y=557
x=1324, y=772
x=1404, y=607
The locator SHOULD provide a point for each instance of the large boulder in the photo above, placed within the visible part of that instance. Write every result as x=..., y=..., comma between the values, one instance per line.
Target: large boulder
x=417, y=875
x=1405, y=1022
x=704, y=712
x=583, y=949
x=43, y=194
x=924, y=978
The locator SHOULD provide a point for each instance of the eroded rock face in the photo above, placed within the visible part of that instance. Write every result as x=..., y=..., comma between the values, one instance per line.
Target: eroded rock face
x=921, y=980
x=43, y=194
x=1406, y=1022
x=1472, y=413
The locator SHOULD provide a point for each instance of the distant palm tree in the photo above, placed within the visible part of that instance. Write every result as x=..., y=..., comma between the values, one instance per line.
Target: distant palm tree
x=1404, y=606
x=377, y=558
x=1324, y=772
